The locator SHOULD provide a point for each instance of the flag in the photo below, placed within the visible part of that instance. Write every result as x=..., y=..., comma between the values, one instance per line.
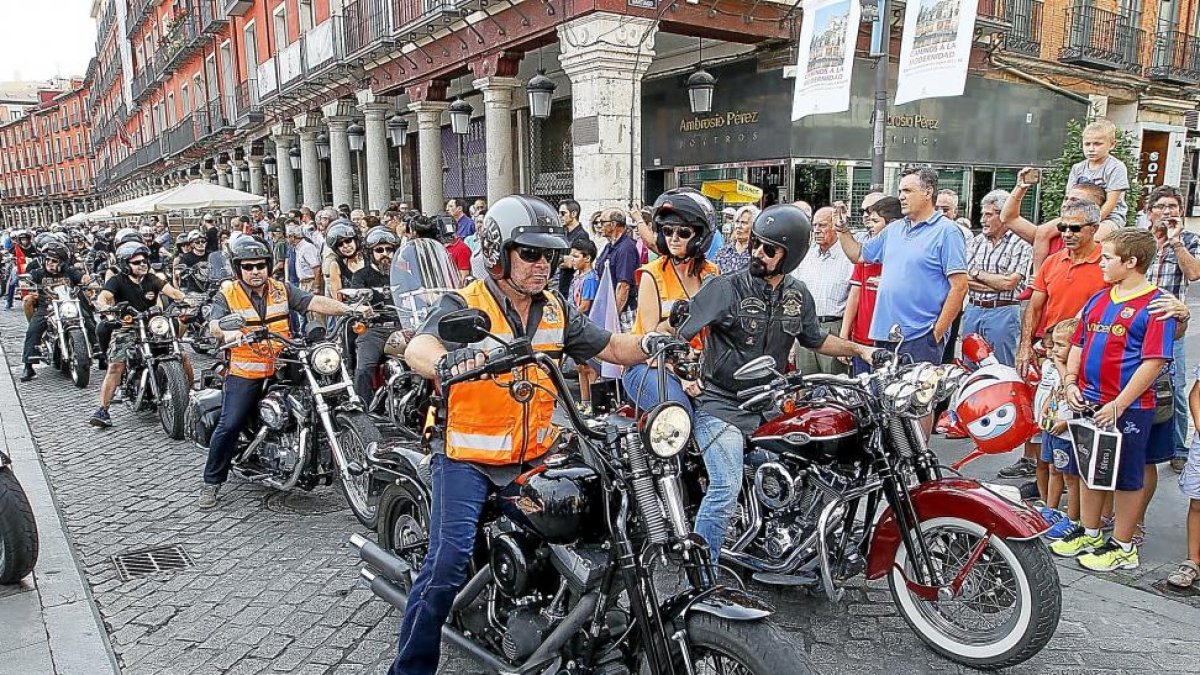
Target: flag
x=935, y=49
x=825, y=57
x=604, y=314
x=123, y=136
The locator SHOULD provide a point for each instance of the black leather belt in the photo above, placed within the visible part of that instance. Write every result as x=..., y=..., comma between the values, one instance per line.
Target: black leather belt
x=992, y=304
x=828, y=319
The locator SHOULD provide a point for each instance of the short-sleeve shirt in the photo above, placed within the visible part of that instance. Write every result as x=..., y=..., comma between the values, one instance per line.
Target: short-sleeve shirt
x=565, y=275
x=866, y=277
x=308, y=260
x=1117, y=334
x=826, y=274
x=465, y=226
x=298, y=301
x=1009, y=255
x=583, y=287
x=918, y=260
x=1067, y=285
x=1112, y=175
x=460, y=254
x=1165, y=271
x=43, y=280
x=623, y=260
x=140, y=296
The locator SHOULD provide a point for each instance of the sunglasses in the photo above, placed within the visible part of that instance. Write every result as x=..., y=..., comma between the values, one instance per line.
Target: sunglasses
x=139, y=262
x=384, y=249
x=532, y=255
x=769, y=250
x=682, y=232
x=200, y=241
x=253, y=267
x=1072, y=228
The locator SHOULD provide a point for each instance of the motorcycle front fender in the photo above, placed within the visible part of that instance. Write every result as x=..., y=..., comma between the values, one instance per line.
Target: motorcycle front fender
x=962, y=498
x=720, y=601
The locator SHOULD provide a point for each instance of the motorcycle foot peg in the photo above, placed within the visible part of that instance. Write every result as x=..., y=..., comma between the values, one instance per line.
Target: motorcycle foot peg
x=797, y=580
x=355, y=469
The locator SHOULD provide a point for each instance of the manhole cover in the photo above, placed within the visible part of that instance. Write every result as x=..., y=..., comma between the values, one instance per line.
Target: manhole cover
x=134, y=564
x=303, y=503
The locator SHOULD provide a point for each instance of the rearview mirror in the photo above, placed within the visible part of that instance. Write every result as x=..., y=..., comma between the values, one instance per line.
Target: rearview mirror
x=758, y=369
x=464, y=326
x=680, y=312
x=895, y=334
x=231, y=322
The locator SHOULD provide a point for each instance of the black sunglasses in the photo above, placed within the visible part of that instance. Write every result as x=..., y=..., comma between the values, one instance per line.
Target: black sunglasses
x=139, y=261
x=1073, y=228
x=681, y=231
x=532, y=255
x=384, y=249
x=253, y=267
x=769, y=250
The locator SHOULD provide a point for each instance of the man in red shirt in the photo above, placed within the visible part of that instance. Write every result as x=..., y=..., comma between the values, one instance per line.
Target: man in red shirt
x=460, y=253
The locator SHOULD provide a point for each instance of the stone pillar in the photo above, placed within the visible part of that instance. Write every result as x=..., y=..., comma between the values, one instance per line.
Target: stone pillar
x=606, y=108
x=429, y=135
x=223, y=175
x=310, y=164
x=379, y=184
x=338, y=116
x=256, y=174
x=498, y=121
x=285, y=176
x=235, y=173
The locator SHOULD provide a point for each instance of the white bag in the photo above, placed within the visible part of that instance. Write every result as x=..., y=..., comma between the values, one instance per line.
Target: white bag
x=1097, y=452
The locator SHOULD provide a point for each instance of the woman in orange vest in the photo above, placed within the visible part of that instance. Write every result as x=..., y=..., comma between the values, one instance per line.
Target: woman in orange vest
x=684, y=222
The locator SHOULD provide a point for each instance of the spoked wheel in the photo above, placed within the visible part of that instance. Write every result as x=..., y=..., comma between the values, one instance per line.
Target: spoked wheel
x=403, y=528
x=172, y=406
x=356, y=434
x=1009, y=604
x=721, y=646
x=80, y=366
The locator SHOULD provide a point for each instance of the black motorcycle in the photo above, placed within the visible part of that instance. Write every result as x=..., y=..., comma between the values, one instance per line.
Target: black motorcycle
x=562, y=573
x=309, y=429
x=65, y=344
x=154, y=376
x=18, y=530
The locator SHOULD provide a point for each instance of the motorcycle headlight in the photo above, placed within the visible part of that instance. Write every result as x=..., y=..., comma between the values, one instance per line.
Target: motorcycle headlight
x=898, y=396
x=159, y=325
x=68, y=311
x=667, y=430
x=326, y=360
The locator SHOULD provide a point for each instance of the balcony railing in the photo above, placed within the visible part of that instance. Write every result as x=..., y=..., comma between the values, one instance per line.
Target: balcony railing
x=1176, y=58
x=291, y=63
x=247, y=103
x=268, y=81
x=322, y=48
x=365, y=26
x=181, y=137
x=141, y=84
x=212, y=16
x=182, y=41
x=237, y=7
x=1103, y=40
x=408, y=15
x=213, y=118
x=139, y=11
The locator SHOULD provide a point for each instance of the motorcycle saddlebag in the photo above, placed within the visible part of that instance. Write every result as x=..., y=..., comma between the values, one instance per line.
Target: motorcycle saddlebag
x=204, y=409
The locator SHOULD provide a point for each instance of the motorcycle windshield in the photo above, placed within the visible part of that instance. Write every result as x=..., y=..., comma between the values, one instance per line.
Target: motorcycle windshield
x=421, y=274
x=219, y=266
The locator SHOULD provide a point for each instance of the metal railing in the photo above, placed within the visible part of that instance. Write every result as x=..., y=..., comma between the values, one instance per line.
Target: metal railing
x=141, y=83
x=410, y=14
x=364, y=25
x=1101, y=39
x=182, y=40
x=1176, y=58
x=247, y=103
x=139, y=11
x=212, y=16
x=322, y=47
x=290, y=61
x=181, y=136
x=214, y=117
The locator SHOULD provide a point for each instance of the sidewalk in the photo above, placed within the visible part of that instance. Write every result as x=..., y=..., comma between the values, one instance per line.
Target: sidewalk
x=49, y=621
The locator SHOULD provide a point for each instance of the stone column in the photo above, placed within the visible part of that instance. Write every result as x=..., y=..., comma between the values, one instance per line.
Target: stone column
x=429, y=135
x=379, y=184
x=338, y=116
x=256, y=174
x=235, y=173
x=285, y=176
x=498, y=124
x=605, y=90
x=310, y=165
x=223, y=175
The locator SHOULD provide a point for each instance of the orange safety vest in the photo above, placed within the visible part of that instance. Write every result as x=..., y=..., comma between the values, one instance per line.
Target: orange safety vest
x=670, y=290
x=484, y=423
x=257, y=361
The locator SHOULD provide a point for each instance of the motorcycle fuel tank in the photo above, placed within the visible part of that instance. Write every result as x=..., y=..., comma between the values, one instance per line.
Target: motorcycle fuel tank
x=819, y=432
x=560, y=504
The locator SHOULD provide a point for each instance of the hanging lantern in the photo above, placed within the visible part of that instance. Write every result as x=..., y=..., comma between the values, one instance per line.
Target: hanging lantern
x=270, y=165
x=397, y=128
x=541, y=95
x=294, y=158
x=322, y=145
x=700, y=85
x=245, y=171
x=357, y=136
x=460, y=116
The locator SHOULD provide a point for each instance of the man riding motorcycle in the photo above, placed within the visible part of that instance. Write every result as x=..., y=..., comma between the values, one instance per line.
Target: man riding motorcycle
x=759, y=310
x=262, y=302
x=486, y=438
x=191, y=253
x=381, y=245
x=136, y=286
x=54, y=271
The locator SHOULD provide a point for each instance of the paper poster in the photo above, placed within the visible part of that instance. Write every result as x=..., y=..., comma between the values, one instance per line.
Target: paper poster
x=935, y=49
x=826, y=57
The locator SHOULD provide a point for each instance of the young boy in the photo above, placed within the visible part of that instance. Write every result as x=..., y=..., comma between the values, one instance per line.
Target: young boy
x=1118, y=350
x=583, y=292
x=1102, y=169
x=1050, y=405
x=1189, y=484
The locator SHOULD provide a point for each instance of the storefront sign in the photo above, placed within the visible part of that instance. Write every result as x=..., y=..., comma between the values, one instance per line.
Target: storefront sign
x=1153, y=158
x=935, y=49
x=825, y=57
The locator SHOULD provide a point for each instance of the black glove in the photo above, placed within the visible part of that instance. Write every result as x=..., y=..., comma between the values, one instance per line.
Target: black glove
x=445, y=365
x=881, y=358
x=652, y=342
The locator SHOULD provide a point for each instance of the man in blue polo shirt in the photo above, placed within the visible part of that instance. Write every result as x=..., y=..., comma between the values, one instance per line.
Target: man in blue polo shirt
x=924, y=276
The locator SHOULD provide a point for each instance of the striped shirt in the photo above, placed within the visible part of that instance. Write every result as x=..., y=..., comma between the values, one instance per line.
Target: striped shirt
x=827, y=276
x=1010, y=255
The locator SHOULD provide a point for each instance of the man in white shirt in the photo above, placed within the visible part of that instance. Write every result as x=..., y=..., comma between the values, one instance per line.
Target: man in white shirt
x=304, y=266
x=826, y=272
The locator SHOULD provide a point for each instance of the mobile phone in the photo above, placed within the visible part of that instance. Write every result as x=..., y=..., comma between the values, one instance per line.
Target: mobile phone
x=1033, y=176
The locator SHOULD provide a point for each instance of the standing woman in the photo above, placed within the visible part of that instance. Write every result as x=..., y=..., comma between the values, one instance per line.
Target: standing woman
x=342, y=239
x=735, y=255
x=684, y=222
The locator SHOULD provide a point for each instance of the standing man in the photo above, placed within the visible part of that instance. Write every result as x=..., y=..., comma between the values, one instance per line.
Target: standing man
x=279, y=250
x=259, y=220
x=464, y=224
x=622, y=258
x=568, y=213
x=316, y=232
x=997, y=264
x=304, y=266
x=826, y=273
x=212, y=235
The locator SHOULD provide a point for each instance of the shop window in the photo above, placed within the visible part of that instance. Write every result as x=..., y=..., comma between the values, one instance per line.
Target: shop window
x=814, y=183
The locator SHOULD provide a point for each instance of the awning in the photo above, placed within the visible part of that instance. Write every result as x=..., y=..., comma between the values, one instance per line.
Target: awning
x=731, y=191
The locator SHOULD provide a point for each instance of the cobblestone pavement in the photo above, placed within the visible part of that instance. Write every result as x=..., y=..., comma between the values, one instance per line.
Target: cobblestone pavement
x=274, y=587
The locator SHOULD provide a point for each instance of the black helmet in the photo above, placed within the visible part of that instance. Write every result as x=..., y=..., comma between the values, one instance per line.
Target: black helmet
x=380, y=235
x=685, y=206
x=422, y=226
x=249, y=248
x=518, y=220
x=129, y=250
x=786, y=226
x=56, y=251
x=338, y=233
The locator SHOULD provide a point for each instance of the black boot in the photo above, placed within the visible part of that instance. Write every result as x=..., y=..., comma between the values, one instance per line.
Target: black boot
x=29, y=374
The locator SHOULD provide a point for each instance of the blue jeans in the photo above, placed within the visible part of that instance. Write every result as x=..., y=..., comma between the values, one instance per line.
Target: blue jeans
x=723, y=448
x=920, y=349
x=1000, y=326
x=1179, y=384
x=459, y=491
x=238, y=402
x=640, y=383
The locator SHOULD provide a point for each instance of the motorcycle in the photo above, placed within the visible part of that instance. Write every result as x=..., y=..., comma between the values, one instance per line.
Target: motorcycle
x=964, y=563
x=194, y=322
x=562, y=578
x=18, y=530
x=65, y=344
x=309, y=429
x=154, y=377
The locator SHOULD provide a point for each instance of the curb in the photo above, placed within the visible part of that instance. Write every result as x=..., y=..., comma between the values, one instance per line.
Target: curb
x=78, y=640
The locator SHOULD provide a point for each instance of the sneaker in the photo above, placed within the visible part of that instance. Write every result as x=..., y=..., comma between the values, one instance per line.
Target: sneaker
x=28, y=374
x=1139, y=536
x=101, y=419
x=1052, y=516
x=1060, y=529
x=1177, y=464
x=1076, y=542
x=1185, y=576
x=1109, y=557
x=208, y=496
x=1022, y=468
x=1107, y=523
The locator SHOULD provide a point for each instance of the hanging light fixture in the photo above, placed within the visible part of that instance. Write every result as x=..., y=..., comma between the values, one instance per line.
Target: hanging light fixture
x=294, y=158
x=270, y=165
x=357, y=136
x=700, y=85
x=397, y=128
x=245, y=171
x=322, y=145
x=541, y=92
x=460, y=116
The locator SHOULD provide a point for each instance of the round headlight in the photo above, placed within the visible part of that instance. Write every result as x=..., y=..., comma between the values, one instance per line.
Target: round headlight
x=668, y=429
x=898, y=396
x=68, y=310
x=159, y=325
x=326, y=360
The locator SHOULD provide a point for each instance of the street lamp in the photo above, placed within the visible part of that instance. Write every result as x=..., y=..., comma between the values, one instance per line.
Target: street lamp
x=397, y=128
x=294, y=158
x=270, y=165
x=541, y=95
x=357, y=136
x=460, y=116
x=322, y=145
x=245, y=171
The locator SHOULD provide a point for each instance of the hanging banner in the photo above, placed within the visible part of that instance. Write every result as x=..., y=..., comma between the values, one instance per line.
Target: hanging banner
x=935, y=49
x=826, y=57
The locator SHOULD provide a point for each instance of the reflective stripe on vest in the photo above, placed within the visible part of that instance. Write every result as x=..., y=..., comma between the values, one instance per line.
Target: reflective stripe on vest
x=257, y=361
x=484, y=423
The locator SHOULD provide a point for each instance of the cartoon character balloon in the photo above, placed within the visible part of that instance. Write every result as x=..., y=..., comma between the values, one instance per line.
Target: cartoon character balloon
x=996, y=408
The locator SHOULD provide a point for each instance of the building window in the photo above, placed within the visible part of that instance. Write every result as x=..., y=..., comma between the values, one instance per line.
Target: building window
x=280, y=26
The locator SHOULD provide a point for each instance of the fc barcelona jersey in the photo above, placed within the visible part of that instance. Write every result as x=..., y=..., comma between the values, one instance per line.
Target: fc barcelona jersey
x=1117, y=334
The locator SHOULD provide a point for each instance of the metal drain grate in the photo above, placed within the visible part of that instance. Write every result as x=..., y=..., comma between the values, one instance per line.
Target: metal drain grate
x=134, y=564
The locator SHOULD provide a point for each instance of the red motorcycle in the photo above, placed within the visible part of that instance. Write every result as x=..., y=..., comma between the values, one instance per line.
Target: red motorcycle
x=964, y=563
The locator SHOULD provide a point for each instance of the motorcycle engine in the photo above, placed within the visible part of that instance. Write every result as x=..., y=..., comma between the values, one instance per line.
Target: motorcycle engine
x=279, y=453
x=527, y=628
x=515, y=563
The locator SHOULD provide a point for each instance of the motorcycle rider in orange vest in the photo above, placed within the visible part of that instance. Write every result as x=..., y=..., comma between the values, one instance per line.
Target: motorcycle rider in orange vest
x=487, y=439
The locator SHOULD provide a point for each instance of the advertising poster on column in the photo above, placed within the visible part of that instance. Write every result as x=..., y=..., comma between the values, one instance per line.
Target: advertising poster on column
x=826, y=57
x=935, y=49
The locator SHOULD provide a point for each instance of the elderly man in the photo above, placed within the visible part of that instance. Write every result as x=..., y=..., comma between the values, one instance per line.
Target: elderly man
x=303, y=264
x=997, y=264
x=622, y=259
x=316, y=233
x=826, y=272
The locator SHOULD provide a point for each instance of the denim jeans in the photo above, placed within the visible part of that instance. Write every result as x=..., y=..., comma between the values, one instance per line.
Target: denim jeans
x=238, y=402
x=640, y=383
x=459, y=491
x=1000, y=326
x=723, y=448
x=920, y=349
x=1179, y=384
